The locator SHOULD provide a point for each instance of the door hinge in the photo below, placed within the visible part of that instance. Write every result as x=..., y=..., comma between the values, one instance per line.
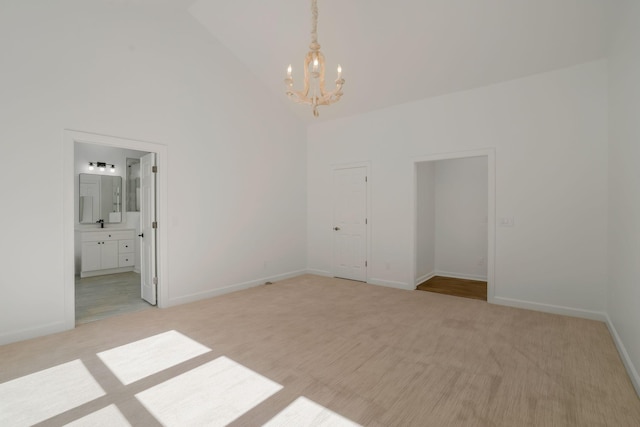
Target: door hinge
x=366, y=179
x=154, y=169
x=365, y=264
x=155, y=280
x=154, y=224
x=366, y=221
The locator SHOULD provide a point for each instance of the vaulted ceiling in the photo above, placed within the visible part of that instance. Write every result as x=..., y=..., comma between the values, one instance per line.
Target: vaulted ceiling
x=394, y=52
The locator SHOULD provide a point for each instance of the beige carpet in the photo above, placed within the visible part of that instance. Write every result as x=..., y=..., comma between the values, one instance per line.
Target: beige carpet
x=348, y=351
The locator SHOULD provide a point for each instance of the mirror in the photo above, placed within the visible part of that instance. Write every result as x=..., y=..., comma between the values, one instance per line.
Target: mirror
x=100, y=198
x=133, y=185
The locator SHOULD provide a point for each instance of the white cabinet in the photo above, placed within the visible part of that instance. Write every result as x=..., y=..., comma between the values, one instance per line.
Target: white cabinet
x=106, y=252
x=125, y=253
x=99, y=255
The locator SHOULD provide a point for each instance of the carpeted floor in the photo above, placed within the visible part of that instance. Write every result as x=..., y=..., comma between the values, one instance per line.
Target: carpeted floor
x=324, y=349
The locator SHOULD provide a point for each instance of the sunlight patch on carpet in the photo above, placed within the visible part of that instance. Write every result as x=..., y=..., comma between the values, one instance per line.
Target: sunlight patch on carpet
x=304, y=412
x=36, y=397
x=139, y=359
x=213, y=394
x=109, y=416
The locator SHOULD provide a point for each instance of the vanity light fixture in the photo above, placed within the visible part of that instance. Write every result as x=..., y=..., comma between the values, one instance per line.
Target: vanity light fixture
x=102, y=166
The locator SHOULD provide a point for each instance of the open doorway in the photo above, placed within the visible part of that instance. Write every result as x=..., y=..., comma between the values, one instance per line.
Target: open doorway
x=108, y=277
x=453, y=228
x=106, y=230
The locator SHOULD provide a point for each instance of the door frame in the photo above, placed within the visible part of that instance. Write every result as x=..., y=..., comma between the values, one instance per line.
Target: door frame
x=490, y=154
x=368, y=227
x=70, y=137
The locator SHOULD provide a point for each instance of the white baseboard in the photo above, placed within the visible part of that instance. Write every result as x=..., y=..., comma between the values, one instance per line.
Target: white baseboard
x=84, y=274
x=231, y=288
x=371, y=281
x=424, y=278
x=460, y=275
x=391, y=284
x=35, y=332
x=323, y=273
x=553, y=309
x=624, y=355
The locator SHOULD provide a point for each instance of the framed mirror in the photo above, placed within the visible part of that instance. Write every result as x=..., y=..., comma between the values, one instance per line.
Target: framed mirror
x=100, y=198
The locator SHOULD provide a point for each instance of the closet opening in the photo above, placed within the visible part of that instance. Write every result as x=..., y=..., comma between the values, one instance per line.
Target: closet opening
x=454, y=214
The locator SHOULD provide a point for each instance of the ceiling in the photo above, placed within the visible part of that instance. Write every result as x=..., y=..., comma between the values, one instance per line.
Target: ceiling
x=394, y=52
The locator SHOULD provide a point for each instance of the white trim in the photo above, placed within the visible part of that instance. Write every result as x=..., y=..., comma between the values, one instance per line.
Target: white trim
x=624, y=355
x=38, y=331
x=490, y=154
x=391, y=284
x=367, y=165
x=106, y=271
x=68, y=232
x=70, y=137
x=232, y=288
x=424, y=278
x=460, y=276
x=553, y=309
x=323, y=273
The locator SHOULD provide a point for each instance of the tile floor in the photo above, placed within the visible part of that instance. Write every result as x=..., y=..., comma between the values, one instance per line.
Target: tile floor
x=100, y=297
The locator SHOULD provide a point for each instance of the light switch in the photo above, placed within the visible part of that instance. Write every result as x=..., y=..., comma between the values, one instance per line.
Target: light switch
x=506, y=221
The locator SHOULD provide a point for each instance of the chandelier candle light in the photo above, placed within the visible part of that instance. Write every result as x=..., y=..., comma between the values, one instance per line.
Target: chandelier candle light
x=314, y=73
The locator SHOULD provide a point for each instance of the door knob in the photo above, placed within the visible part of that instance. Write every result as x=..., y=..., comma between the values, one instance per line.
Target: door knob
x=141, y=235
x=336, y=228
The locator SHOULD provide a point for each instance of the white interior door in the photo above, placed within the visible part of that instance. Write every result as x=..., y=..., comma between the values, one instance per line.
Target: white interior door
x=148, y=276
x=350, y=223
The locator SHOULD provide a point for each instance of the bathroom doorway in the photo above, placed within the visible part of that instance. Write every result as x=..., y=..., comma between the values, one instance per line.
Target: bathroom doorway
x=103, y=240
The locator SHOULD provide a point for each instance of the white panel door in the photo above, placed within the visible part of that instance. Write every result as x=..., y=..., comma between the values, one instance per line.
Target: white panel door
x=147, y=218
x=350, y=223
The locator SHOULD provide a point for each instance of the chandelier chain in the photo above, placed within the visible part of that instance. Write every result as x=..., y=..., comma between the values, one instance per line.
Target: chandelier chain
x=314, y=22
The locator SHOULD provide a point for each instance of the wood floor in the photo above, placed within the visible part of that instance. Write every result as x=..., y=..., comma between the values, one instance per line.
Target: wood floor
x=457, y=287
x=374, y=355
x=109, y=295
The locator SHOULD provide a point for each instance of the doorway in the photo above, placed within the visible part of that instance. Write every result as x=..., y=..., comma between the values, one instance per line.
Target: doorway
x=454, y=217
x=123, y=274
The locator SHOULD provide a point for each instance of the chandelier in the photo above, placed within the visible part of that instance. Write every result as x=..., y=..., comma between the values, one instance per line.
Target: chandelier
x=314, y=92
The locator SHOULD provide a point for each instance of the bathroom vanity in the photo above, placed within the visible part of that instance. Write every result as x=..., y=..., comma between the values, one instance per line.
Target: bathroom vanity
x=106, y=251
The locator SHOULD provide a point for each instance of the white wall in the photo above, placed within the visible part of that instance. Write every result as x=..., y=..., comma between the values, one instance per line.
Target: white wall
x=623, y=302
x=461, y=218
x=236, y=157
x=550, y=136
x=425, y=221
